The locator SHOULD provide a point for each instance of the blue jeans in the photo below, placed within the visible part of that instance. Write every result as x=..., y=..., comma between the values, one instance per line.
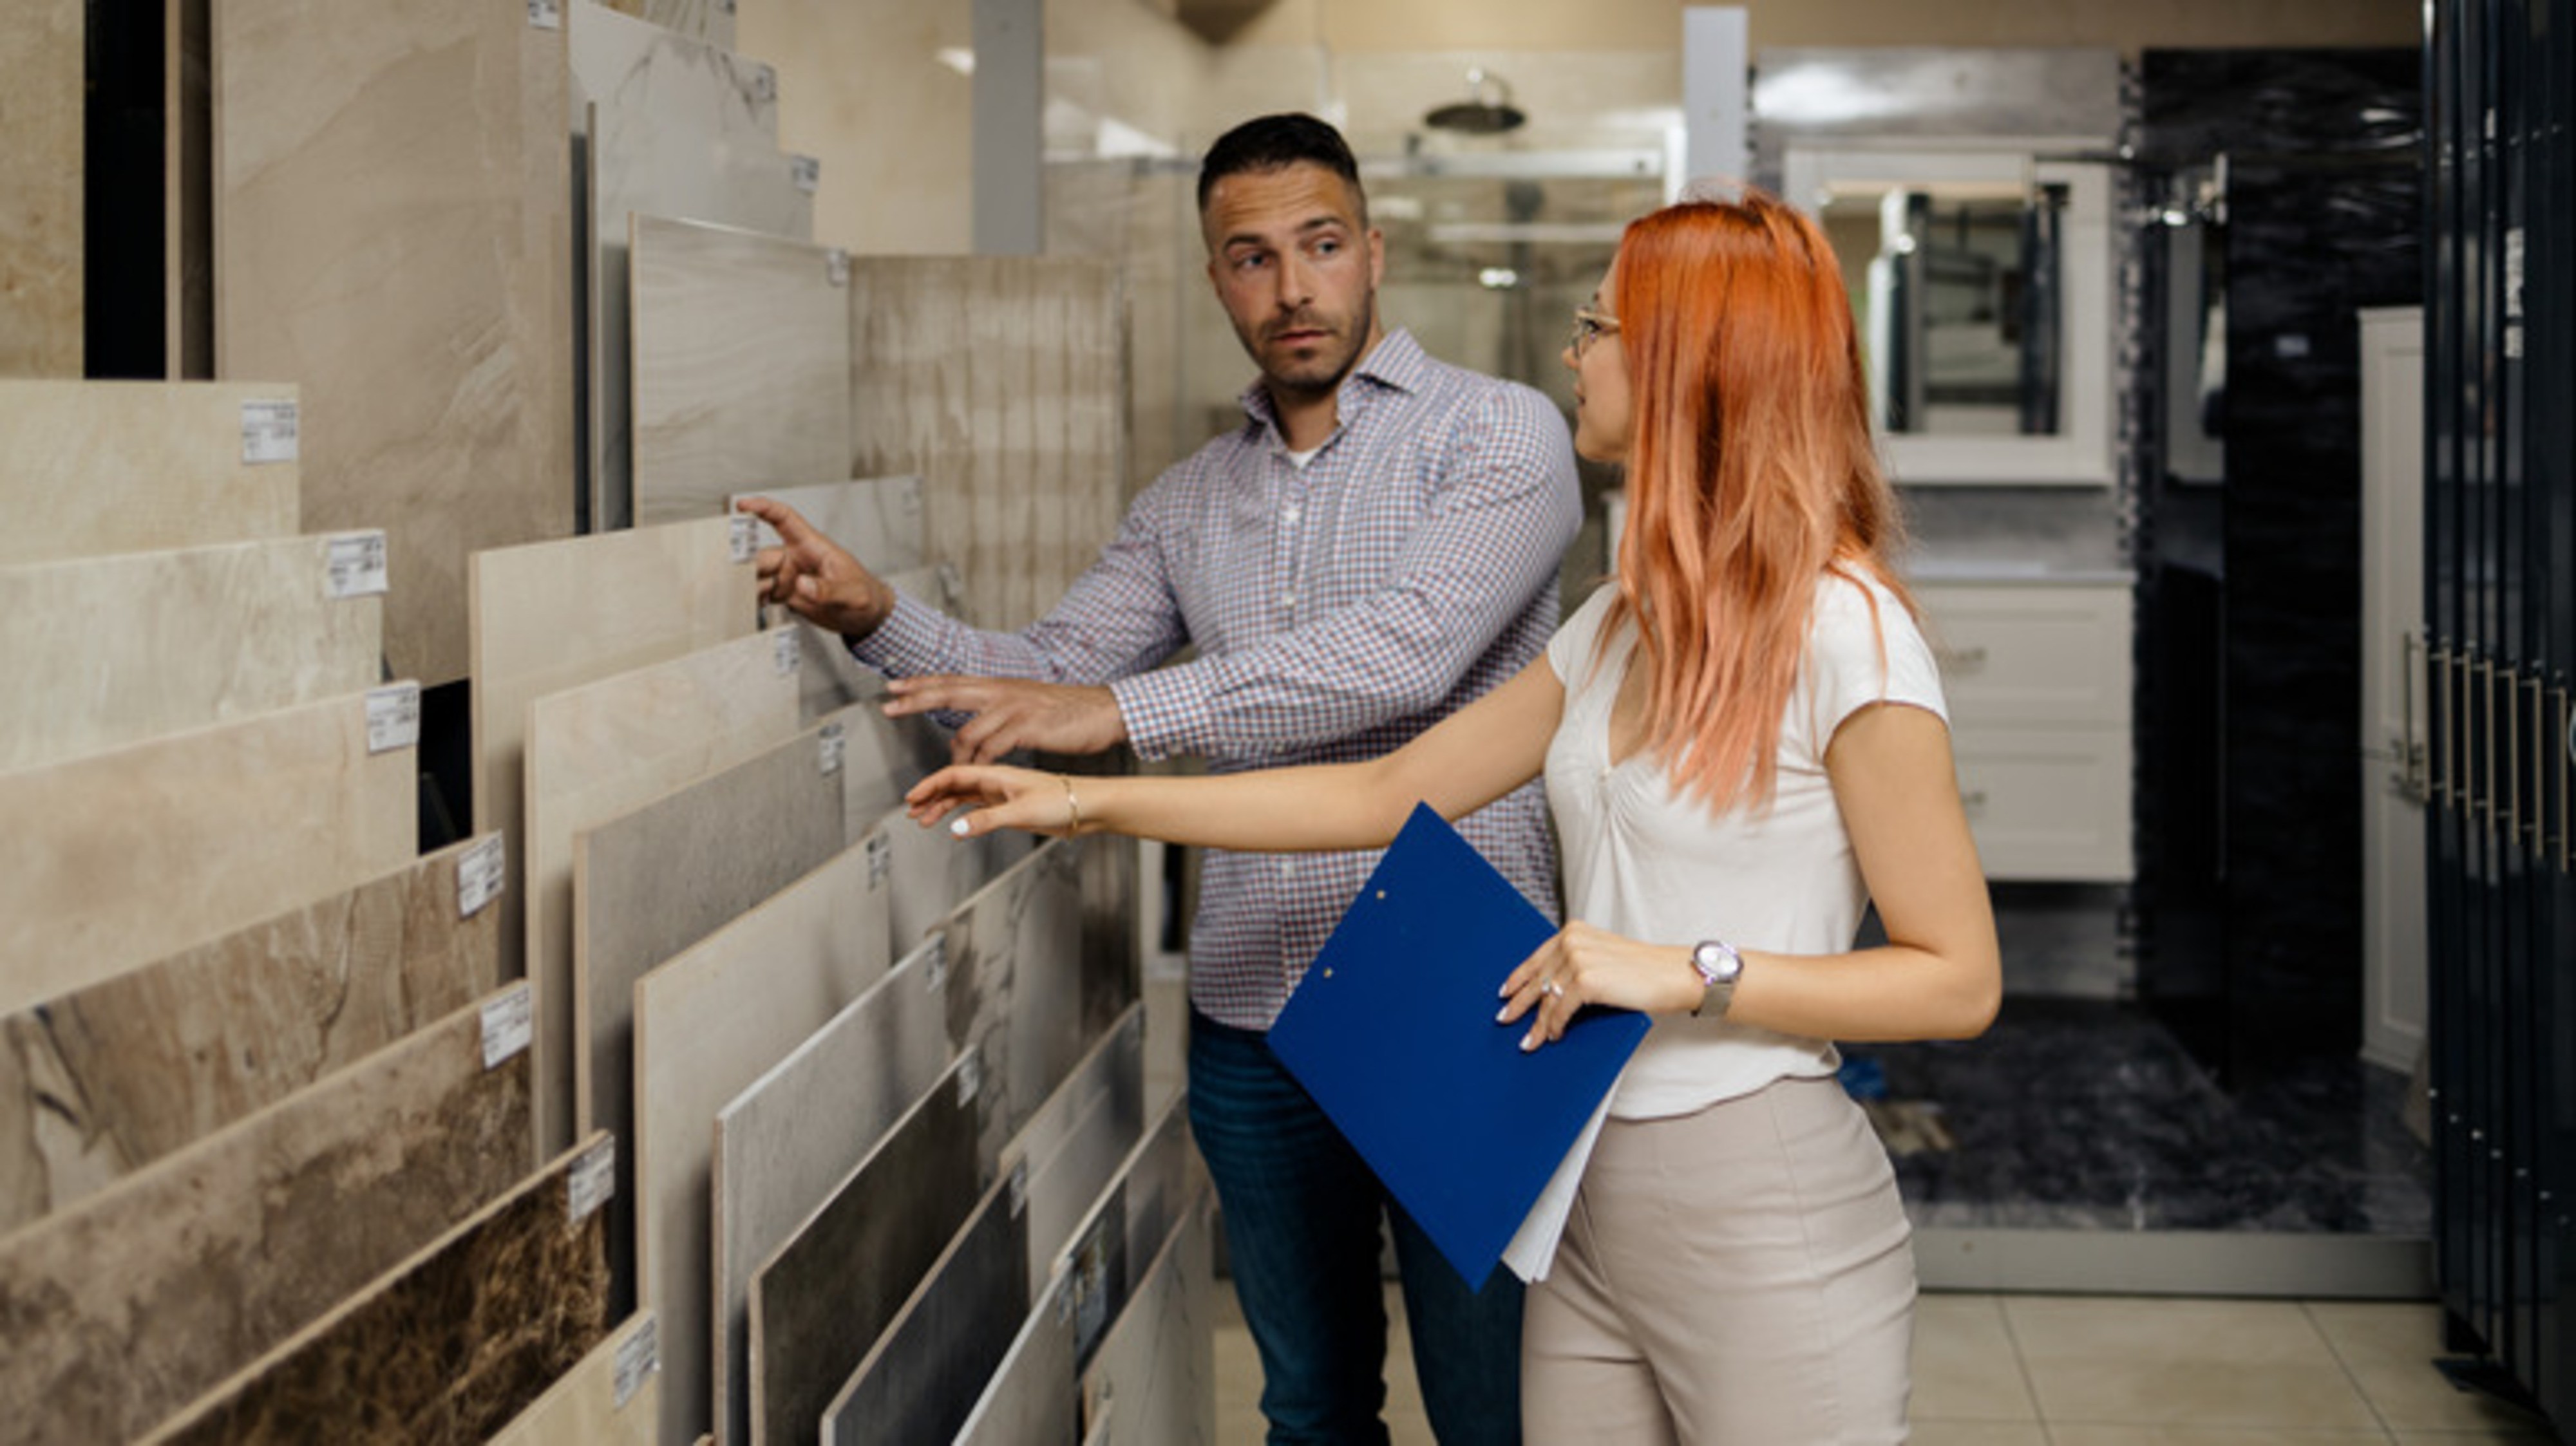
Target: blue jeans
x=1301, y=1230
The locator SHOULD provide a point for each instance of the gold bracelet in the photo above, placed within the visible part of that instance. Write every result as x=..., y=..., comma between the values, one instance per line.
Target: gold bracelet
x=1073, y=806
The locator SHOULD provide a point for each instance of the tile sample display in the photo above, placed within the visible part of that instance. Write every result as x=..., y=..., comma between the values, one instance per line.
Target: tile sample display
x=394, y=228
x=1152, y=1381
x=42, y=95
x=100, y=1082
x=1125, y=1225
x=934, y=872
x=604, y=748
x=1103, y=1108
x=1033, y=1398
x=105, y=651
x=707, y=20
x=931, y=1364
x=678, y=127
x=448, y=1346
x=96, y=467
x=134, y=1302
x=791, y=1136
x=1001, y=380
x=554, y=615
x=741, y=368
x=707, y=1024
x=612, y=1397
x=1020, y=940
x=120, y=858
x=819, y=1304
x=879, y=520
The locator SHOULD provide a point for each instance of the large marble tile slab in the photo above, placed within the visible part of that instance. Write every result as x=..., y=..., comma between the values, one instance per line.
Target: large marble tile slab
x=1033, y=1397
x=604, y=748
x=393, y=227
x=1001, y=381
x=105, y=651
x=132, y=1303
x=97, y=467
x=741, y=365
x=103, y=1081
x=451, y=1344
x=927, y=1370
x=42, y=98
x=707, y=1024
x=611, y=1397
x=818, y=1304
x=1152, y=1381
x=791, y=1136
x=707, y=20
x=549, y=616
x=676, y=127
x=123, y=857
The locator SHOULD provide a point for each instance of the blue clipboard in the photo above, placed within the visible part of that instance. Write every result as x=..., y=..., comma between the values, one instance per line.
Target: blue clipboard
x=1392, y=1031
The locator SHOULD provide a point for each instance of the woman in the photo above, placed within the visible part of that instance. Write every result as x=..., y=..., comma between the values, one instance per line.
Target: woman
x=1744, y=744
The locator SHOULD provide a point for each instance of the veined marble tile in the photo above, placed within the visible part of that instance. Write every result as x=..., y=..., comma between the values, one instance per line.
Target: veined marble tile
x=97, y=467
x=394, y=228
x=923, y=1377
x=741, y=366
x=611, y=1397
x=103, y=1081
x=1001, y=381
x=604, y=748
x=135, y=1301
x=554, y=615
x=707, y=20
x=678, y=127
x=42, y=97
x=1152, y=1382
x=1022, y=932
x=708, y=1023
x=120, y=858
x=451, y=1344
x=1033, y=1398
x=106, y=651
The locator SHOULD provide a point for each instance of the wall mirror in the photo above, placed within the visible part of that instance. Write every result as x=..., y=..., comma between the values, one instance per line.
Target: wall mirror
x=1981, y=284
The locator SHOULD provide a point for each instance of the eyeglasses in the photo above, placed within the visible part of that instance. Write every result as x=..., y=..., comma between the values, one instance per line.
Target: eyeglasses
x=1589, y=326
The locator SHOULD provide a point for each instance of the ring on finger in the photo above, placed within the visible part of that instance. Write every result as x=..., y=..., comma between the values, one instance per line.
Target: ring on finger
x=1553, y=989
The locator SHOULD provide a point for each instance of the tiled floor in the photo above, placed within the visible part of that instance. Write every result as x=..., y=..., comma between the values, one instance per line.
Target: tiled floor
x=2031, y=1370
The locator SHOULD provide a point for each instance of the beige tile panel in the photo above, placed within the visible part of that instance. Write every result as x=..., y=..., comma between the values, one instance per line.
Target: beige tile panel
x=707, y=1024
x=604, y=748
x=124, y=857
x=741, y=367
x=1152, y=1379
x=881, y=520
x=97, y=467
x=393, y=214
x=613, y=1397
x=98, y=1083
x=2389, y=1348
x=42, y=96
x=130, y=1304
x=450, y=1345
x=106, y=651
x=1002, y=382
x=1964, y=1365
x=707, y=20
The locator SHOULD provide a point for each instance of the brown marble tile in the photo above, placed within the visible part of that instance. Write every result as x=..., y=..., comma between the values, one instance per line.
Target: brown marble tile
x=133, y=1302
x=100, y=467
x=41, y=99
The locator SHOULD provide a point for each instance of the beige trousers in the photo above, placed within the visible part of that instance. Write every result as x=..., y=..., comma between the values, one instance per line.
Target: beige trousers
x=1741, y=1276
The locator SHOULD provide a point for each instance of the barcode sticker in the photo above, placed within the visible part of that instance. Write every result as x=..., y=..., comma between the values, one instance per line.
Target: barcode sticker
x=354, y=565
x=545, y=14
x=791, y=651
x=745, y=537
x=479, y=876
x=935, y=969
x=970, y=1075
x=393, y=717
x=880, y=860
x=836, y=746
x=508, y=1024
x=639, y=1356
x=807, y=171
x=268, y=432
x=836, y=265
x=592, y=1181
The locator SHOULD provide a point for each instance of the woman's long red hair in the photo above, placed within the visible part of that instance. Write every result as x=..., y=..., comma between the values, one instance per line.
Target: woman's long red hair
x=1751, y=473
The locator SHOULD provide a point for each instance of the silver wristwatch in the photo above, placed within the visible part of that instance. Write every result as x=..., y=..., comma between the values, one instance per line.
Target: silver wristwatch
x=1718, y=967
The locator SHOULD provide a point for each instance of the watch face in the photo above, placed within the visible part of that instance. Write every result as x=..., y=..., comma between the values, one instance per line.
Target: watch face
x=1716, y=963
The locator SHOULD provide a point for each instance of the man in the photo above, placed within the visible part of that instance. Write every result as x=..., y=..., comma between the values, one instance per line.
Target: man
x=1374, y=547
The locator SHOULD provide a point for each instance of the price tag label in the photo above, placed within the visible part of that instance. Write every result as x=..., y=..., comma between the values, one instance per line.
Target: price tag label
x=545, y=14
x=268, y=432
x=836, y=265
x=393, y=718
x=1019, y=1187
x=791, y=651
x=807, y=171
x=970, y=1075
x=880, y=860
x=764, y=84
x=354, y=565
x=592, y=1181
x=479, y=876
x=638, y=1357
x=509, y=1022
x=836, y=747
x=934, y=970
x=746, y=537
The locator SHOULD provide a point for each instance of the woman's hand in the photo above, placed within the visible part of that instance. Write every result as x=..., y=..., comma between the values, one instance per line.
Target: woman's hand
x=998, y=797
x=1584, y=965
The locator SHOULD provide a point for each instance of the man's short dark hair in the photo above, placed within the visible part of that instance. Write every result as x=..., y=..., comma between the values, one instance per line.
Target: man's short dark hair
x=1275, y=142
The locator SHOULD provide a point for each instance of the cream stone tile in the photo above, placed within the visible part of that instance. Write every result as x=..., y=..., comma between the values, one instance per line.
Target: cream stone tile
x=2278, y=1435
x=1965, y=1368
x=1977, y=1433
x=2469, y=1438
x=584, y=1405
x=393, y=229
x=2151, y=1329
x=97, y=467
x=2389, y=1348
x=707, y=20
x=2195, y=1392
x=42, y=96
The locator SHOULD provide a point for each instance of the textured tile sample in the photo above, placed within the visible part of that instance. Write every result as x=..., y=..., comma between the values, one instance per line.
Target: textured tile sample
x=1033, y=1398
x=707, y=1024
x=96, y=467
x=105, y=651
x=1125, y=1226
x=1002, y=382
x=599, y=750
x=1022, y=937
x=931, y=1364
x=818, y=1305
x=553, y=615
x=394, y=229
x=707, y=20
x=677, y=127
x=136, y=1301
x=791, y=1136
x=611, y=1397
x=450, y=1345
x=100, y=1082
x=1101, y=1108
x=120, y=858
x=1152, y=1381
x=934, y=872
x=42, y=95
x=741, y=365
